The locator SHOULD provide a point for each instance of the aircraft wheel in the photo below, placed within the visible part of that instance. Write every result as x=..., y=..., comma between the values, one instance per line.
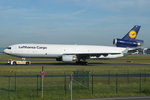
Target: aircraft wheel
x=14, y=63
x=84, y=63
x=78, y=62
x=27, y=63
x=81, y=63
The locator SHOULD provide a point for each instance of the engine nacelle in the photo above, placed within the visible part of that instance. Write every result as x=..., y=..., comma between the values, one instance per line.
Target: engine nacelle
x=128, y=43
x=69, y=58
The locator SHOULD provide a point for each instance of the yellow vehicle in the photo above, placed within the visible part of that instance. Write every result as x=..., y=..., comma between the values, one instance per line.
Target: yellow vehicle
x=18, y=62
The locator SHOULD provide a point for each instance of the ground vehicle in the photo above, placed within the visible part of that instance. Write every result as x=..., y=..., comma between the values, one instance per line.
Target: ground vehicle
x=18, y=62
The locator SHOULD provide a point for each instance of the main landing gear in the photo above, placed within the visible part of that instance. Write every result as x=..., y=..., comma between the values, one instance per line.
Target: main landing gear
x=82, y=63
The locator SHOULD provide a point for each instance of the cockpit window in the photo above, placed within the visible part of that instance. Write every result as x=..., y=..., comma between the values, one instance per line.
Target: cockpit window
x=8, y=47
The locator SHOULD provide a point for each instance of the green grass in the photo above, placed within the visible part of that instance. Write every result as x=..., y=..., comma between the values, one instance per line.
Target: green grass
x=26, y=88
x=54, y=89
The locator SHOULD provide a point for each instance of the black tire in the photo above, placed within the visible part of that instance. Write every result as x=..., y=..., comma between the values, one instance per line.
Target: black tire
x=27, y=63
x=14, y=63
x=84, y=63
x=81, y=63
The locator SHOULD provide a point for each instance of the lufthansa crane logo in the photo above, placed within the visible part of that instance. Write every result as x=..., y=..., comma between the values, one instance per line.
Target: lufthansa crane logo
x=132, y=34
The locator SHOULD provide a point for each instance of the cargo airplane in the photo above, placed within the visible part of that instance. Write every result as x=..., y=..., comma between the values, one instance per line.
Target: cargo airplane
x=77, y=53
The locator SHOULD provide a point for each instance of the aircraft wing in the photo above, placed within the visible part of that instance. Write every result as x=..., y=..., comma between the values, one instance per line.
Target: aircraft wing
x=99, y=55
x=88, y=55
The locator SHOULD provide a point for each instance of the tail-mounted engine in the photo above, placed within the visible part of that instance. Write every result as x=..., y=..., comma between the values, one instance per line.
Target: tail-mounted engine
x=129, y=40
x=128, y=43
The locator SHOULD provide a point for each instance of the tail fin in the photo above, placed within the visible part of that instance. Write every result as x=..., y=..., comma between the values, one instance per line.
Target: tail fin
x=129, y=40
x=132, y=34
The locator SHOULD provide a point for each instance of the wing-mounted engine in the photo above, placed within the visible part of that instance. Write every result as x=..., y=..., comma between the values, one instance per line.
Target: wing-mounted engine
x=67, y=58
x=128, y=43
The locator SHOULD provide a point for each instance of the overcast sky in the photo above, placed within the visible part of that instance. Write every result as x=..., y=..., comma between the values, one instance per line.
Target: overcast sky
x=95, y=22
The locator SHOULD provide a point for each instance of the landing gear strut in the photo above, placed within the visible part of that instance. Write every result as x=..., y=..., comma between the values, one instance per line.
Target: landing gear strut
x=82, y=62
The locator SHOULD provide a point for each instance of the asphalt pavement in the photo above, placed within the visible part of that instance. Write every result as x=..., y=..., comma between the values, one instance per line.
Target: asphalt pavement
x=89, y=64
x=122, y=98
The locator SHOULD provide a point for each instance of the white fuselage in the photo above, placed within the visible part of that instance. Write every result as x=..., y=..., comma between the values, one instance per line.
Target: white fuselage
x=56, y=51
